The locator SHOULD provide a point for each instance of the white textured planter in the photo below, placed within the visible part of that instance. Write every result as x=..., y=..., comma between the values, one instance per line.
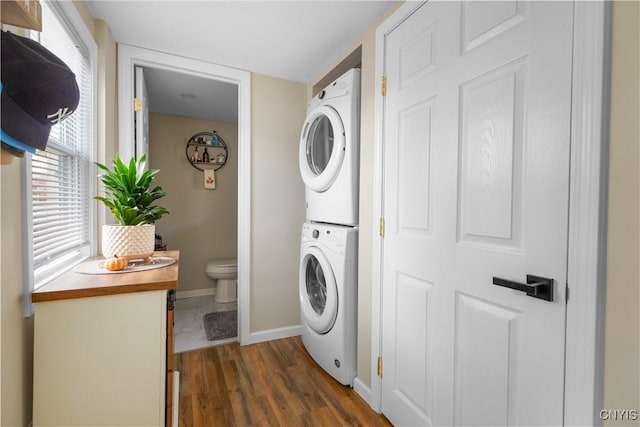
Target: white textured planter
x=128, y=241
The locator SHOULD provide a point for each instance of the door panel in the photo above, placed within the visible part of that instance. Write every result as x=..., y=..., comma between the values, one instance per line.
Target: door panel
x=475, y=186
x=484, y=21
x=418, y=56
x=413, y=296
x=490, y=157
x=410, y=379
x=486, y=352
x=414, y=159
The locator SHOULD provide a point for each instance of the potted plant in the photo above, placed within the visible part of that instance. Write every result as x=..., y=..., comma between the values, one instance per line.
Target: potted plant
x=129, y=196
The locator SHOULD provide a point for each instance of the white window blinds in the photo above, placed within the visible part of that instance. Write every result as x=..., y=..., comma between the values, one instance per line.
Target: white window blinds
x=60, y=177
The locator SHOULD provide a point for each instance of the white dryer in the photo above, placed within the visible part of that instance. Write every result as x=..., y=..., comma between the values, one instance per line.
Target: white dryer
x=328, y=297
x=329, y=152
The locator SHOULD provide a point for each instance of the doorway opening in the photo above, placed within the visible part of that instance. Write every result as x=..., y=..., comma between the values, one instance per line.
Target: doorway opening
x=175, y=130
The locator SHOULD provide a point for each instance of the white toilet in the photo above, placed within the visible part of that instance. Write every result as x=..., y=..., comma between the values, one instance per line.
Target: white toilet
x=225, y=271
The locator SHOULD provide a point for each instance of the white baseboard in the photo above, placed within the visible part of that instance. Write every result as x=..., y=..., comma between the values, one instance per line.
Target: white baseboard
x=363, y=390
x=175, y=397
x=195, y=293
x=274, y=334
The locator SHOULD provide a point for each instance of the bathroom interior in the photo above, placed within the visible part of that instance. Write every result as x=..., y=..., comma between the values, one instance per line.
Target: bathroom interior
x=203, y=221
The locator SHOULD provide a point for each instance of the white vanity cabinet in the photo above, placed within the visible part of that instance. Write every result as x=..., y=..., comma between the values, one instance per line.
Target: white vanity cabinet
x=103, y=349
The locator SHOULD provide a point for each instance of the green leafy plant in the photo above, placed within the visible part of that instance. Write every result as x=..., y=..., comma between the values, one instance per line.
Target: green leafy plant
x=127, y=192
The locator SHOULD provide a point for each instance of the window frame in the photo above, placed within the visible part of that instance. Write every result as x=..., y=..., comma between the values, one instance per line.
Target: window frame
x=76, y=27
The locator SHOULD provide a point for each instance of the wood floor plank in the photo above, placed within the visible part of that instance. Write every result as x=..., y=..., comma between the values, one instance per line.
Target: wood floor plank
x=250, y=410
x=199, y=395
x=227, y=352
x=265, y=407
x=219, y=405
x=271, y=357
x=277, y=401
x=249, y=376
x=213, y=372
x=294, y=403
x=307, y=391
x=182, y=365
x=185, y=412
x=341, y=412
x=326, y=417
x=361, y=413
x=274, y=383
x=307, y=420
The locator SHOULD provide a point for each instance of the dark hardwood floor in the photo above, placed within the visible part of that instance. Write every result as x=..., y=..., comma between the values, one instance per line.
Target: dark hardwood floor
x=274, y=383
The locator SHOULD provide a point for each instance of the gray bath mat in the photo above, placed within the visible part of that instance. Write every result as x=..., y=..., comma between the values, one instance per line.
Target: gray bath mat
x=221, y=325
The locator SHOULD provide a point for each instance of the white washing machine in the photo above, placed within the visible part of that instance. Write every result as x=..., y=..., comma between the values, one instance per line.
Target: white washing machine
x=328, y=297
x=329, y=152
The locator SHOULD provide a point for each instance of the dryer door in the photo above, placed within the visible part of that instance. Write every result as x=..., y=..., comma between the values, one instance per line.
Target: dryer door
x=322, y=146
x=318, y=291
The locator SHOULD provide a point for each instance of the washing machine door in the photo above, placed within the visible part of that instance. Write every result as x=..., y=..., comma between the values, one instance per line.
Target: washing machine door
x=318, y=291
x=322, y=146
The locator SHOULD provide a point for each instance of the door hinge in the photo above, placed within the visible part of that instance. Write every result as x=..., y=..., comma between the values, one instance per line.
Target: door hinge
x=381, y=227
x=379, y=366
x=137, y=104
x=566, y=293
x=383, y=86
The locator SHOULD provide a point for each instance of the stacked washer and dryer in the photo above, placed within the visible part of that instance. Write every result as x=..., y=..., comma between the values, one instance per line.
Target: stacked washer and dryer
x=329, y=159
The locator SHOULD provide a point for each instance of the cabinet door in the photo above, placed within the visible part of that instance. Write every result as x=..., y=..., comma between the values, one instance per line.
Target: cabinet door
x=100, y=360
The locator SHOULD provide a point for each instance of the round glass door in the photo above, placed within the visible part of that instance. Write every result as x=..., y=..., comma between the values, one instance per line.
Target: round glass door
x=318, y=291
x=319, y=144
x=321, y=148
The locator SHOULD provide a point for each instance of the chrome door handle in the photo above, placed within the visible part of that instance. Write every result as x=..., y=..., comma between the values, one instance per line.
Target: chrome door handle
x=537, y=287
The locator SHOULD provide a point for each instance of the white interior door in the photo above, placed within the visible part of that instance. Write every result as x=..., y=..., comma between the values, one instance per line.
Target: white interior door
x=141, y=116
x=475, y=187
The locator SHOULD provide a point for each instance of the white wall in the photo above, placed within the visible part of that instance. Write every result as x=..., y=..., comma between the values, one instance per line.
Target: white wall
x=202, y=224
x=17, y=332
x=277, y=201
x=106, y=122
x=622, y=328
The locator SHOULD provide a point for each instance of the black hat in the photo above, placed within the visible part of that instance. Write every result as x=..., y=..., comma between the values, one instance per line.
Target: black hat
x=38, y=91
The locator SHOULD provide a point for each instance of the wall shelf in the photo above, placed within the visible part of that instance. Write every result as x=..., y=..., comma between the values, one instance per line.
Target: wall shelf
x=197, y=143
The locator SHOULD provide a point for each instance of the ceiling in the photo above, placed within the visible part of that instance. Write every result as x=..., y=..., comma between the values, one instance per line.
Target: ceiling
x=185, y=95
x=293, y=40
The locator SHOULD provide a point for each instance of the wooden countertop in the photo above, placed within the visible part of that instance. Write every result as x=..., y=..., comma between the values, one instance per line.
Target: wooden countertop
x=76, y=285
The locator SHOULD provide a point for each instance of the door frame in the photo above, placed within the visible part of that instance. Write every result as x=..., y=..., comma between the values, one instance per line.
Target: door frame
x=584, y=356
x=128, y=58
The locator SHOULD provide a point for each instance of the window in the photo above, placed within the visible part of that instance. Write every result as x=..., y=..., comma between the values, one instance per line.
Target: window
x=60, y=181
